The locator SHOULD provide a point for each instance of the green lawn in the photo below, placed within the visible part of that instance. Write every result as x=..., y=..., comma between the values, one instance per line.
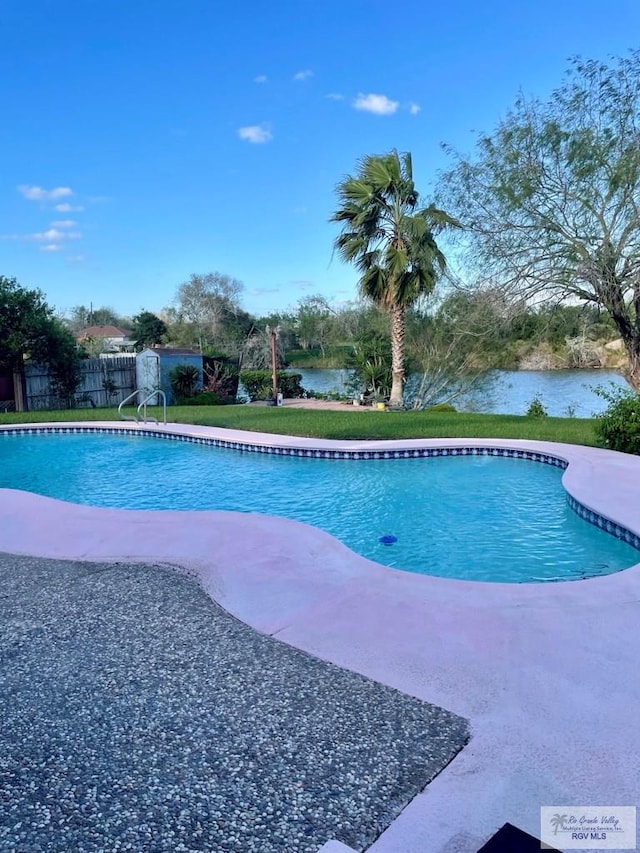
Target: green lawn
x=335, y=357
x=357, y=424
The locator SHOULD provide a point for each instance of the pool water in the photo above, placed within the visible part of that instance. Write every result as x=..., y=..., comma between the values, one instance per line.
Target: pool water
x=476, y=517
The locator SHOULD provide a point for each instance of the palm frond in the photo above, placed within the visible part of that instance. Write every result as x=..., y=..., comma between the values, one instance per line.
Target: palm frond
x=378, y=173
x=373, y=286
x=396, y=262
x=407, y=165
x=385, y=235
x=350, y=245
x=356, y=190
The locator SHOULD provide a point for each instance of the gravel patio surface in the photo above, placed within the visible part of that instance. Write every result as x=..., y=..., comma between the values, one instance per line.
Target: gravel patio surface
x=138, y=715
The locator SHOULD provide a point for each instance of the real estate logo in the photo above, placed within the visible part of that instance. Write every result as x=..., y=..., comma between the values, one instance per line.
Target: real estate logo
x=588, y=827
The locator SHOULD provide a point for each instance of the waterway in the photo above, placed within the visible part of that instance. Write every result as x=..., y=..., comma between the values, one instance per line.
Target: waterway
x=563, y=393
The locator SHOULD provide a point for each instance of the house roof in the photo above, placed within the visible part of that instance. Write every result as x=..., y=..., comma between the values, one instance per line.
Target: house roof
x=100, y=332
x=173, y=351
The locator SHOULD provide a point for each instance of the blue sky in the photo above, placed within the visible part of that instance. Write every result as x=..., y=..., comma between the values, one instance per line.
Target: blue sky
x=144, y=141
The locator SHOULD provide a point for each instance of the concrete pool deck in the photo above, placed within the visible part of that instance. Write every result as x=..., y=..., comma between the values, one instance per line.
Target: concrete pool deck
x=546, y=673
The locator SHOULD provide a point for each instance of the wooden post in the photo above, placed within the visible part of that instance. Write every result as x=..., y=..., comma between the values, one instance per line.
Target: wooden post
x=274, y=362
x=19, y=395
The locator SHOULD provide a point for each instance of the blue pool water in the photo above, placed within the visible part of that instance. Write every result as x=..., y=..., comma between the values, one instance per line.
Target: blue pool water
x=479, y=518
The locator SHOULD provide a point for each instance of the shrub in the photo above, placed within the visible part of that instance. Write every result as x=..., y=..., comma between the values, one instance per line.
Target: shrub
x=220, y=376
x=259, y=385
x=618, y=427
x=289, y=385
x=328, y=395
x=183, y=379
x=442, y=407
x=536, y=409
x=371, y=365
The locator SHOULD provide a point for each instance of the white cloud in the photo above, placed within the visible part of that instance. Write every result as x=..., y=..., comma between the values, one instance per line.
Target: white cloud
x=262, y=291
x=75, y=259
x=64, y=223
x=414, y=109
x=378, y=104
x=53, y=235
x=256, y=134
x=335, y=96
x=50, y=247
x=39, y=194
x=65, y=207
x=261, y=78
x=301, y=76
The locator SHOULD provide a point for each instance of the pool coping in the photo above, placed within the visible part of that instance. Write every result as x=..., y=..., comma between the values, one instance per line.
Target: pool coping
x=458, y=644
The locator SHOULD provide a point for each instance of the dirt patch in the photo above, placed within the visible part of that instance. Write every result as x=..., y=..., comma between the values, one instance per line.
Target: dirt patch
x=335, y=405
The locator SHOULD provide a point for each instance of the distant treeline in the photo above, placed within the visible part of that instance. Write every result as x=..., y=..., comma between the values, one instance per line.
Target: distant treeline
x=481, y=325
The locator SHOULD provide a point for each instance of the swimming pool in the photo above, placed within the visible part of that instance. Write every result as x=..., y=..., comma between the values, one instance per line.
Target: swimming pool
x=480, y=517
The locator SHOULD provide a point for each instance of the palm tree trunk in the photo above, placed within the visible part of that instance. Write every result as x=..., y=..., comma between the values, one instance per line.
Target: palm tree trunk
x=397, y=355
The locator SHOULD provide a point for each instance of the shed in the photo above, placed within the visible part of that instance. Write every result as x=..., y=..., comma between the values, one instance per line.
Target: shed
x=154, y=364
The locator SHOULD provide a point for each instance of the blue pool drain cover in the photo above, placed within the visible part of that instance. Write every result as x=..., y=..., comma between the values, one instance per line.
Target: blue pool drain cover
x=388, y=540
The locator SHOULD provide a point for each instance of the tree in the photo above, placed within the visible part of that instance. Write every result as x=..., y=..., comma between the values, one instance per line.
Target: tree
x=28, y=328
x=313, y=322
x=61, y=353
x=148, y=329
x=80, y=317
x=354, y=321
x=233, y=330
x=94, y=345
x=391, y=241
x=204, y=302
x=551, y=199
x=284, y=322
x=257, y=353
x=454, y=345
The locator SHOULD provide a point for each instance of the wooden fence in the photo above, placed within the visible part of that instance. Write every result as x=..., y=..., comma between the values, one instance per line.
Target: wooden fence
x=103, y=382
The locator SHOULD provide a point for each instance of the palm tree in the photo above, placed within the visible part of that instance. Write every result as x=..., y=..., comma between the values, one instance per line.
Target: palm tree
x=558, y=821
x=390, y=240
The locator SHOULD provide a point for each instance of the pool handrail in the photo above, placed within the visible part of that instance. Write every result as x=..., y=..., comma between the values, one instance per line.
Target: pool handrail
x=142, y=407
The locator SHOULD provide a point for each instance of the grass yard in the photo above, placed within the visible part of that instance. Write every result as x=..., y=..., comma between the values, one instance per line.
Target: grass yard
x=335, y=357
x=356, y=424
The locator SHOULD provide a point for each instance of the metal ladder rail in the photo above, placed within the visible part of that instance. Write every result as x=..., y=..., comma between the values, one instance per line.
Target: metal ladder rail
x=124, y=417
x=143, y=406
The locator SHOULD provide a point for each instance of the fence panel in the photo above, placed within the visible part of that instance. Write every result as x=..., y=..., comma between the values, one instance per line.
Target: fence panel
x=103, y=382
